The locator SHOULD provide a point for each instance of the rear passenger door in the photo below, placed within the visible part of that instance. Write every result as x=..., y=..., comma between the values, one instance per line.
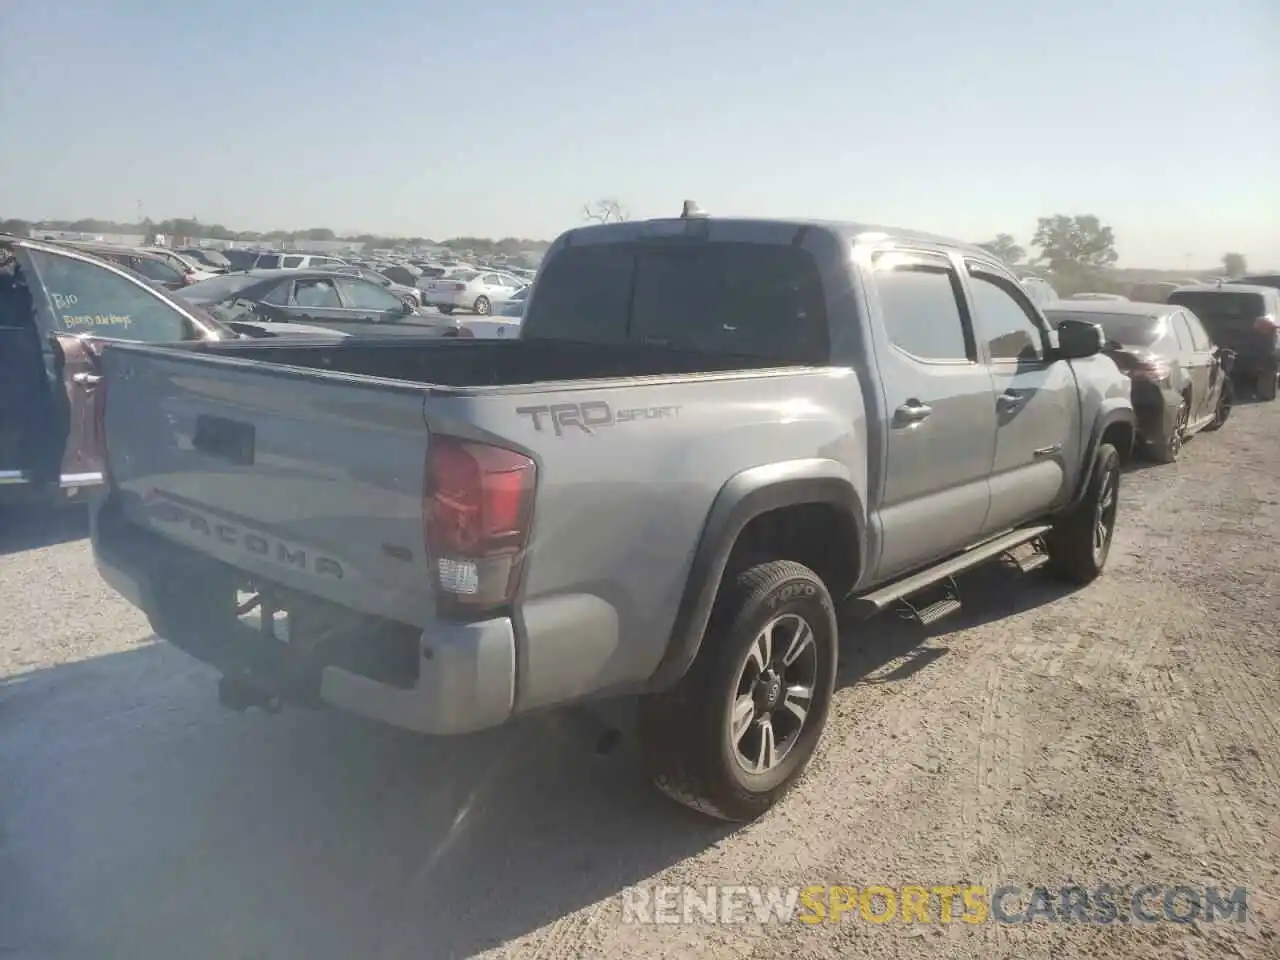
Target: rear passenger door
x=1036, y=403
x=940, y=412
x=1202, y=366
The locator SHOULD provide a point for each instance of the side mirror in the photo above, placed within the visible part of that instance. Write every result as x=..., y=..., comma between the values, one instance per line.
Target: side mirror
x=1226, y=358
x=1078, y=339
x=407, y=306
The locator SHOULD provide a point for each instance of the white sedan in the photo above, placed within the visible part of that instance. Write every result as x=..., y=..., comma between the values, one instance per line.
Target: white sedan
x=476, y=291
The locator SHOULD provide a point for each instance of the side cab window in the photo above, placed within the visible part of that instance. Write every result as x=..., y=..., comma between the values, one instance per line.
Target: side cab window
x=1005, y=318
x=922, y=306
x=84, y=297
x=1200, y=339
x=1183, y=333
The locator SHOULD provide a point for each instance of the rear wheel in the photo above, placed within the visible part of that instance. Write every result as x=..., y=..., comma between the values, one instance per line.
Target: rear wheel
x=1079, y=543
x=740, y=726
x=482, y=306
x=1226, y=399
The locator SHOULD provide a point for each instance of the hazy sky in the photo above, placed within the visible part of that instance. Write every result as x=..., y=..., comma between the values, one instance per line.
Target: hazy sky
x=501, y=117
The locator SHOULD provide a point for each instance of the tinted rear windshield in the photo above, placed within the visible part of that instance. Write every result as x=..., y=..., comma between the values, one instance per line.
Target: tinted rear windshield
x=1222, y=309
x=218, y=288
x=1132, y=331
x=743, y=299
x=240, y=259
x=210, y=256
x=267, y=261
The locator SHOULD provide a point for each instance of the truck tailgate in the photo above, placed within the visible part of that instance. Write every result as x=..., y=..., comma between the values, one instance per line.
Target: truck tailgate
x=271, y=470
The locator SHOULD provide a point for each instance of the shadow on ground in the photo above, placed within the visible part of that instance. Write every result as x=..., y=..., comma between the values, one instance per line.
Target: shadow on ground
x=32, y=527
x=141, y=820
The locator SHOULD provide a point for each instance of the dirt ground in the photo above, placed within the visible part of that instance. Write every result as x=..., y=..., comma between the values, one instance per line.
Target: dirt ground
x=1125, y=734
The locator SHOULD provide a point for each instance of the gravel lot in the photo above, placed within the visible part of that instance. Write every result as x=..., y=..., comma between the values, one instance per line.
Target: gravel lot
x=1126, y=733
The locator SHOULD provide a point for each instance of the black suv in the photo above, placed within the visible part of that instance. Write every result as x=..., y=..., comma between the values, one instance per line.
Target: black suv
x=1246, y=318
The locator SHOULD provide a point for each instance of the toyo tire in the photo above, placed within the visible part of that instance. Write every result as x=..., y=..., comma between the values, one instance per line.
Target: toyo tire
x=1080, y=542
x=740, y=727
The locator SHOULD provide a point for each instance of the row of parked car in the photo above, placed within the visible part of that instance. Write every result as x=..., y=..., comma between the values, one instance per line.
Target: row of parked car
x=1188, y=349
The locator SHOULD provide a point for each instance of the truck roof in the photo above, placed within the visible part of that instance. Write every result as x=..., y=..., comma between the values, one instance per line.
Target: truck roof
x=1225, y=288
x=743, y=227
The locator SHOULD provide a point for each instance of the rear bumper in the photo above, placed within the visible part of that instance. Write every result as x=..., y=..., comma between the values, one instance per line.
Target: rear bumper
x=436, y=299
x=465, y=672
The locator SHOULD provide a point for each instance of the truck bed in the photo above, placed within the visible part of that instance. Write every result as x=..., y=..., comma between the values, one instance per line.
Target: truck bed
x=308, y=470
x=455, y=365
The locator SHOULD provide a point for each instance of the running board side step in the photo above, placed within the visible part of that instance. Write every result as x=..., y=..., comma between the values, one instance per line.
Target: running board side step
x=870, y=604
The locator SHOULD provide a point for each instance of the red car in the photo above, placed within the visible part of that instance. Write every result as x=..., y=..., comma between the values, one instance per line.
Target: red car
x=59, y=305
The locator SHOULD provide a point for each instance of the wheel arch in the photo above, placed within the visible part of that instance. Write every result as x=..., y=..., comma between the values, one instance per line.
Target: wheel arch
x=800, y=496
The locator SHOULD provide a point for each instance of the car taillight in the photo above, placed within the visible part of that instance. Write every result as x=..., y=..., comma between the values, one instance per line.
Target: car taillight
x=1150, y=368
x=477, y=506
x=1266, y=324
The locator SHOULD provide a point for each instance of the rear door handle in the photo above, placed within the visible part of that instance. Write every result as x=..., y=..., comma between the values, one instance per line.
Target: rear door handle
x=913, y=411
x=86, y=379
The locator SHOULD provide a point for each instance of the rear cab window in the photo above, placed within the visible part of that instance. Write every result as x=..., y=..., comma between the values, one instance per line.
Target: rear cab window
x=754, y=300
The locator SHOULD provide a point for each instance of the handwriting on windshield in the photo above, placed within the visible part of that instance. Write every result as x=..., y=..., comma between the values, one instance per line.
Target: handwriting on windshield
x=95, y=320
x=80, y=321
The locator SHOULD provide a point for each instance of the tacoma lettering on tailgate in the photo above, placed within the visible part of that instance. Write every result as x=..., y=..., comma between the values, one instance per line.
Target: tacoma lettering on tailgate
x=179, y=517
x=590, y=415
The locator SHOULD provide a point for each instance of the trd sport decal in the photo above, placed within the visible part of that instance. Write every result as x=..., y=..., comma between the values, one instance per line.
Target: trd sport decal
x=590, y=416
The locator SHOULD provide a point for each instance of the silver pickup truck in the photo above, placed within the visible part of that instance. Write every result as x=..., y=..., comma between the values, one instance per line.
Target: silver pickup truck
x=713, y=436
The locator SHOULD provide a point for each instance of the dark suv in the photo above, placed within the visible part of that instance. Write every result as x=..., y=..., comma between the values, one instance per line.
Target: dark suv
x=1245, y=318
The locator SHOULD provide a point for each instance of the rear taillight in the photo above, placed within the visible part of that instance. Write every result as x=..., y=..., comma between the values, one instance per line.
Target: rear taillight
x=476, y=510
x=1266, y=325
x=1150, y=368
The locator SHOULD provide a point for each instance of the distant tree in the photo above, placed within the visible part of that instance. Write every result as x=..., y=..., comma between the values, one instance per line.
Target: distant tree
x=18, y=228
x=1074, y=242
x=608, y=210
x=1004, y=247
x=316, y=233
x=1234, y=264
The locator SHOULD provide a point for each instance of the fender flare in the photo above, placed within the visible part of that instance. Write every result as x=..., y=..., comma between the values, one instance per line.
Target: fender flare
x=744, y=497
x=1112, y=412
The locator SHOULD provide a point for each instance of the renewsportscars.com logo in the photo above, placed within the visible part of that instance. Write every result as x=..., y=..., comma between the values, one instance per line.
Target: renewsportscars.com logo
x=943, y=903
